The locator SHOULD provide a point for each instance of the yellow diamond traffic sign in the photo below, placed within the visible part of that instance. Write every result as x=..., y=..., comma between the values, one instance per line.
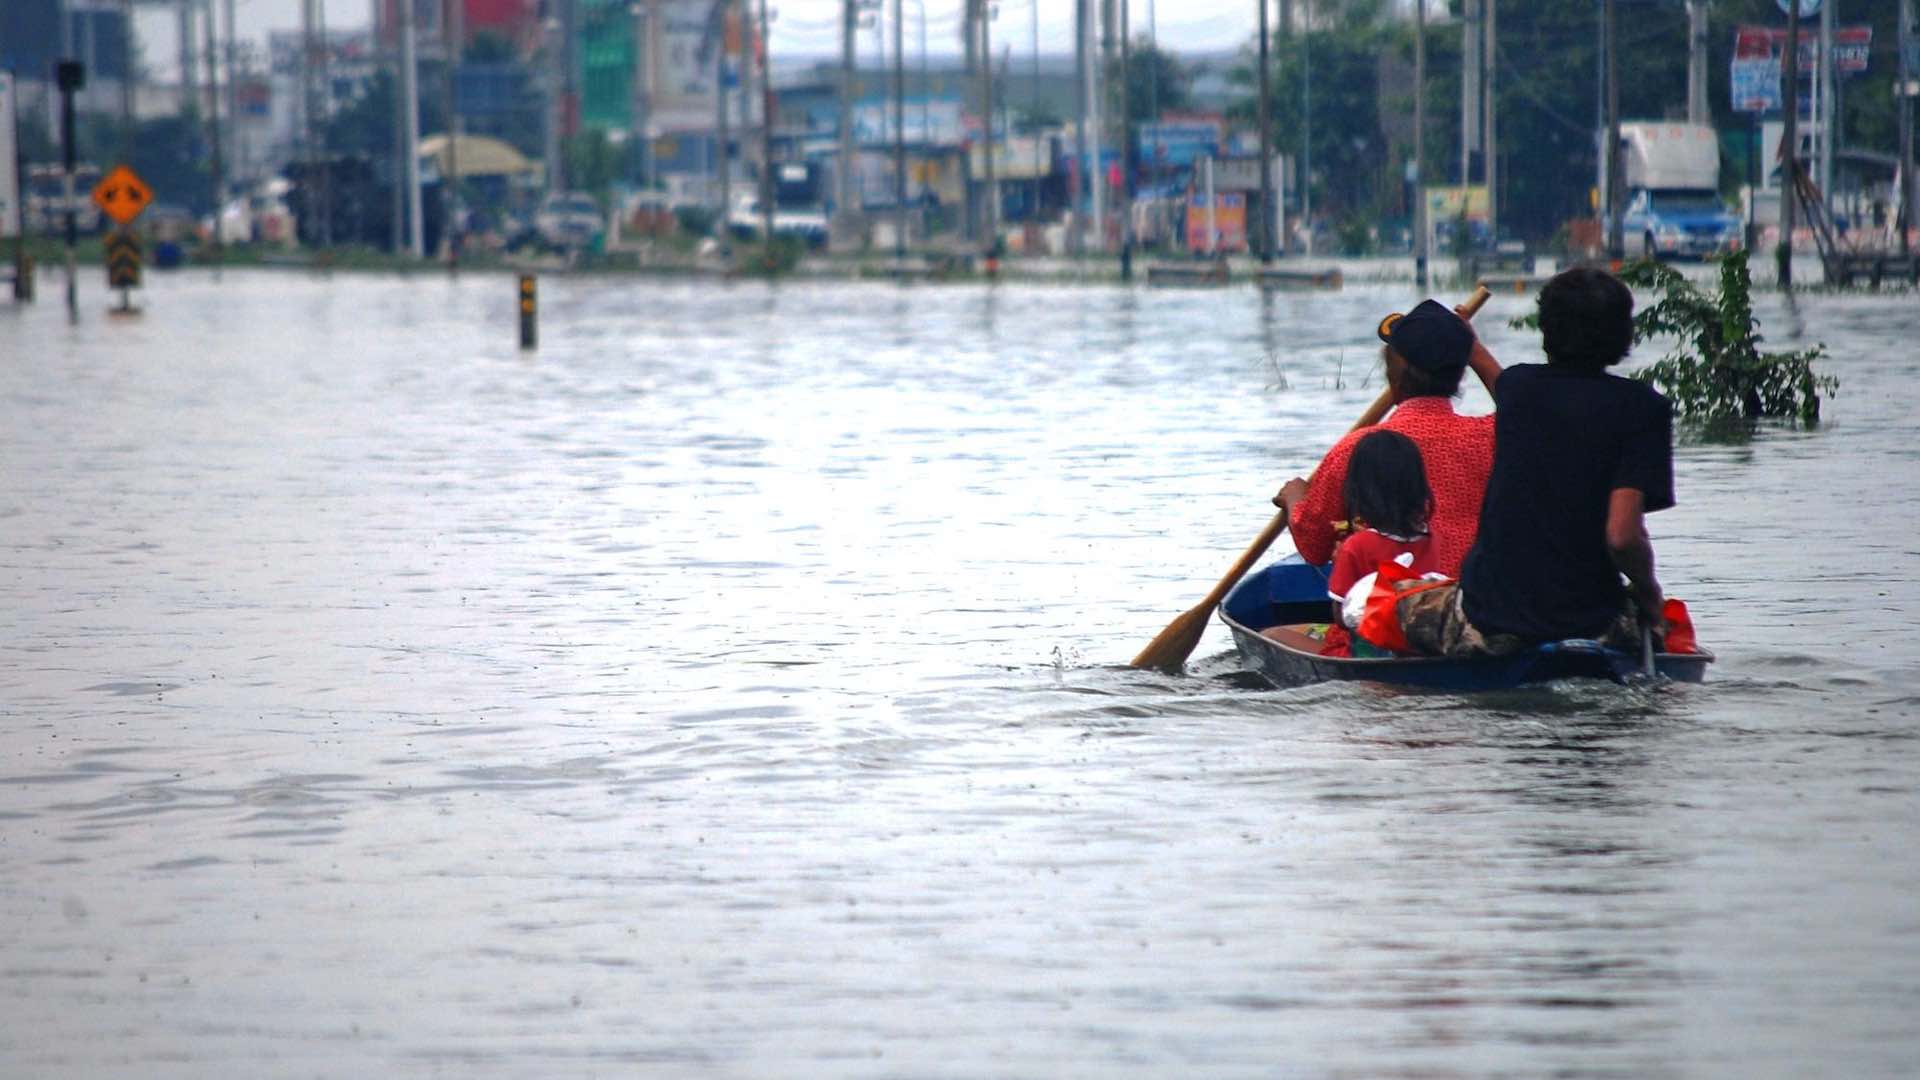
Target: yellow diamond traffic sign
x=122, y=194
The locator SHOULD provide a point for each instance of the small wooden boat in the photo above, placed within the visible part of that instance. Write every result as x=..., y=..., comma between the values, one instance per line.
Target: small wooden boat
x=1284, y=597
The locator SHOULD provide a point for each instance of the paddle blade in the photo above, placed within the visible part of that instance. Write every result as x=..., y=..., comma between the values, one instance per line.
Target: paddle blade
x=1169, y=651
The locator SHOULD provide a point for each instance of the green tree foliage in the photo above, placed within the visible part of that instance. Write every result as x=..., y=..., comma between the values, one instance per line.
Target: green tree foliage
x=593, y=162
x=171, y=154
x=1352, y=166
x=364, y=126
x=1155, y=78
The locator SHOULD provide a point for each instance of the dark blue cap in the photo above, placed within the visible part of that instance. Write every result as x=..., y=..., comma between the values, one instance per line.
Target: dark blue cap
x=1430, y=337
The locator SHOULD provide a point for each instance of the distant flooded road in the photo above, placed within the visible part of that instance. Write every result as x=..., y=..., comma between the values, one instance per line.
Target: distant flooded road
x=733, y=688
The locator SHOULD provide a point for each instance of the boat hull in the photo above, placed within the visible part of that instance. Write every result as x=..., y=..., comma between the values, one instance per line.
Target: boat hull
x=1287, y=588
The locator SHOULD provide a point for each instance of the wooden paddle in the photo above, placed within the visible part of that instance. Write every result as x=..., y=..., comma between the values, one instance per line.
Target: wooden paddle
x=1170, y=649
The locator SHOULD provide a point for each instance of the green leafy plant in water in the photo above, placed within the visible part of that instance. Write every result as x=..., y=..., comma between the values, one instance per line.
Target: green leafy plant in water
x=1716, y=375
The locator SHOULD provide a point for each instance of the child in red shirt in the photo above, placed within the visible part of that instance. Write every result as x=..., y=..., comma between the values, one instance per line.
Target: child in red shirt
x=1388, y=505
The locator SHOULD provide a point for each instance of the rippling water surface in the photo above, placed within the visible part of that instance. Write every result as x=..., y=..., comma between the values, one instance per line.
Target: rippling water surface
x=733, y=688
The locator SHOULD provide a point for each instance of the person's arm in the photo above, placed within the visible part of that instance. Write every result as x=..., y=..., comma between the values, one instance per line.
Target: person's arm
x=1480, y=360
x=1484, y=365
x=1313, y=505
x=1632, y=550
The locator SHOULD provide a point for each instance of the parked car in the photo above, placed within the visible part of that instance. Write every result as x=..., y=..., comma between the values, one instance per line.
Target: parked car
x=746, y=222
x=568, y=219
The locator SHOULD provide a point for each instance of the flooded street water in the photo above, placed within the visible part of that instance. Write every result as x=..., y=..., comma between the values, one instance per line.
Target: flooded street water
x=733, y=688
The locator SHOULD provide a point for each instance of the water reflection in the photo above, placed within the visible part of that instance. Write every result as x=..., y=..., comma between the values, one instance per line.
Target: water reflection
x=734, y=683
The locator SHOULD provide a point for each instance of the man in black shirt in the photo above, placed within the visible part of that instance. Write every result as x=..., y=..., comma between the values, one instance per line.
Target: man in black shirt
x=1580, y=457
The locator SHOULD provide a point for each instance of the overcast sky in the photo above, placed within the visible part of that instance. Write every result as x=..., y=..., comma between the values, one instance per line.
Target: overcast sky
x=813, y=26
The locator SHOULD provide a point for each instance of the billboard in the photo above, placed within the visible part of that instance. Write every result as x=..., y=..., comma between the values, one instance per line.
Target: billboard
x=1757, y=53
x=681, y=60
x=1229, y=219
x=1178, y=143
x=9, y=160
x=928, y=122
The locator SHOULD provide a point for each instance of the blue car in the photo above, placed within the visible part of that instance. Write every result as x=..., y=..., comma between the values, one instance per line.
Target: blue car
x=1679, y=223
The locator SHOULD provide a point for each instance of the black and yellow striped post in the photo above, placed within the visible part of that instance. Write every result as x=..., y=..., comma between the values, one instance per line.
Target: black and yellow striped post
x=529, y=313
x=123, y=266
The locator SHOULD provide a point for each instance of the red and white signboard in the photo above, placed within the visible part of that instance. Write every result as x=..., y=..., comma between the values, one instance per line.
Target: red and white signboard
x=1757, y=53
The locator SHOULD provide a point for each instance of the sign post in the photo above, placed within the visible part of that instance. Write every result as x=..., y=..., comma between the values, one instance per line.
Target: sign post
x=11, y=223
x=70, y=76
x=122, y=195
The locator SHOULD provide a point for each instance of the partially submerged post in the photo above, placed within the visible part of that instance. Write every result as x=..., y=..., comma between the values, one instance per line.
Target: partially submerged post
x=70, y=76
x=529, y=313
x=1789, y=146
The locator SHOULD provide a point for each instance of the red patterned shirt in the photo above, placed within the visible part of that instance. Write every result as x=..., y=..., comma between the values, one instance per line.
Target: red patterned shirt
x=1458, y=451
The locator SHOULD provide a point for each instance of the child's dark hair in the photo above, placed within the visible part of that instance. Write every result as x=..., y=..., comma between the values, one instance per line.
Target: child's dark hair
x=1386, y=488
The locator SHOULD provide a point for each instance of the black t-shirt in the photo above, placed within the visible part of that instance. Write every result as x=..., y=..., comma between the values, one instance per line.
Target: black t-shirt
x=1562, y=442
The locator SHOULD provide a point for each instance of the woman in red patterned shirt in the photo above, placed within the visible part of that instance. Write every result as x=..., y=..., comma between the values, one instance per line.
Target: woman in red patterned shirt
x=1427, y=352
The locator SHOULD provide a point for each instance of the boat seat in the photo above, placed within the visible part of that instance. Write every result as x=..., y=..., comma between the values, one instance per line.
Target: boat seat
x=1294, y=638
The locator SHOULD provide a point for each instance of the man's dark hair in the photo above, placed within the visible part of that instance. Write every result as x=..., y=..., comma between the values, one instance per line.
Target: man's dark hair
x=1586, y=319
x=1419, y=382
x=1386, y=487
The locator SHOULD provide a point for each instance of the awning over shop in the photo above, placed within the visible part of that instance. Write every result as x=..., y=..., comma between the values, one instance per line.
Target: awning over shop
x=475, y=155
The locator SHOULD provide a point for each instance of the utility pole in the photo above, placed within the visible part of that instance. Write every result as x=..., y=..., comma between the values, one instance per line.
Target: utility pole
x=232, y=52
x=766, y=127
x=1829, y=99
x=1033, y=91
x=570, y=74
x=189, y=64
x=849, y=22
x=900, y=128
x=1419, y=207
x=555, y=178
x=990, y=213
x=320, y=130
x=126, y=86
x=1094, y=171
x=723, y=152
x=1904, y=219
x=397, y=205
x=1126, y=148
x=1610, y=42
x=1789, y=146
x=70, y=76
x=1469, y=88
x=1265, y=232
x=450, y=39
x=1306, y=127
x=410, y=128
x=643, y=50
x=1697, y=111
x=1153, y=88
x=1076, y=237
x=213, y=127
x=1489, y=146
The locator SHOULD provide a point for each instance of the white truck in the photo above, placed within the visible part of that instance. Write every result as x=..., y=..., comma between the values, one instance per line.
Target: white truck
x=1671, y=205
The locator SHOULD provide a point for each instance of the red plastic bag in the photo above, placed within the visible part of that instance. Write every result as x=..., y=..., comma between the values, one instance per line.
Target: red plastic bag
x=1679, y=627
x=1380, y=623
